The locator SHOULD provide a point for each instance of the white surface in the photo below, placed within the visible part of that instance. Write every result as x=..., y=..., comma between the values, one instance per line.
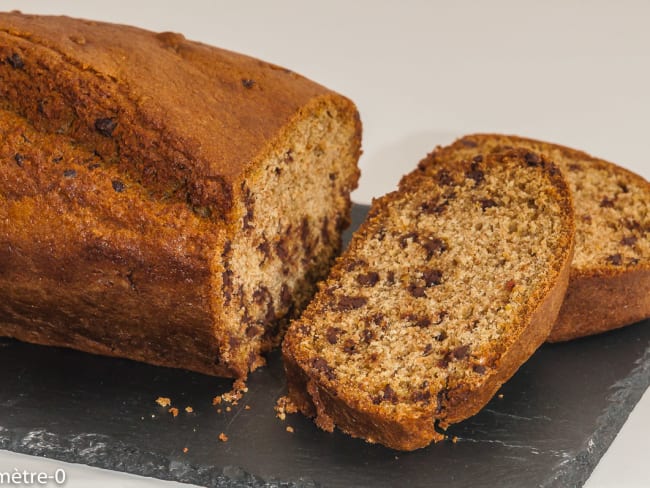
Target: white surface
x=424, y=72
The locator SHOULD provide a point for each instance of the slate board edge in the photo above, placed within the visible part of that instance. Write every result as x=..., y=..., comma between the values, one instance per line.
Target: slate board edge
x=628, y=391
x=98, y=450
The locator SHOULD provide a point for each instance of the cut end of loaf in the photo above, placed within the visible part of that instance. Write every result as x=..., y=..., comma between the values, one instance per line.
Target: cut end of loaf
x=292, y=210
x=416, y=322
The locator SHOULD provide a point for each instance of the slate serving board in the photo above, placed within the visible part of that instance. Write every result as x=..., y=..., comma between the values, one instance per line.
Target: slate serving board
x=557, y=417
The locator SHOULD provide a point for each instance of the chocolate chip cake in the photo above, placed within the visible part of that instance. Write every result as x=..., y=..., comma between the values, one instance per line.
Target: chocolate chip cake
x=610, y=274
x=448, y=287
x=162, y=200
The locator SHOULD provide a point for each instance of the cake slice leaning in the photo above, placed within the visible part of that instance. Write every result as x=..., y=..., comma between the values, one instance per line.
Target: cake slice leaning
x=446, y=289
x=610, y=274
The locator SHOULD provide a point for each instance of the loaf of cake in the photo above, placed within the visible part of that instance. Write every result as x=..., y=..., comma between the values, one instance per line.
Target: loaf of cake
x=448, y=287
x=161, y=199
x=610, y=274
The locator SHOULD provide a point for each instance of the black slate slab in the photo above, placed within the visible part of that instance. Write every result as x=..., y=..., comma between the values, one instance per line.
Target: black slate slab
x=557, y=417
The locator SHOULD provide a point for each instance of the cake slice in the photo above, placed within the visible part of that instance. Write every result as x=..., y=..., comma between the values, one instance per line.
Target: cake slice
x=609, y=285
x=446, y=289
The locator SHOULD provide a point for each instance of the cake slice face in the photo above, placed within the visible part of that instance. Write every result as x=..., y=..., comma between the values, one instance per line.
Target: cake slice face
x=610, y=274
x=447, y=288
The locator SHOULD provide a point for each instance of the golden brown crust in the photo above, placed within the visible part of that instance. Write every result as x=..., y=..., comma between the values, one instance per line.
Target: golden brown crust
x=602, y=296
x=318, y=391
x=602, y=302
x=132, y=162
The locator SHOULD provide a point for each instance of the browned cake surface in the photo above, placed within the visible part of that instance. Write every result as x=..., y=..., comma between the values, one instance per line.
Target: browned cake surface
x=610, y=273
x=161, y=199
x=447, y=288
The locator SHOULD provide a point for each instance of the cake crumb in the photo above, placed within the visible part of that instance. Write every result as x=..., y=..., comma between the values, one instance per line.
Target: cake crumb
x=500, y=395
x=228, y=409
x=173, y=411
x=289, y=429
x=163, y=401
x=284, y=406
x=189, y=409
x=238, y=389
x=454, y=439
x=223, y=437
x=247, y=407
x=185, y=449
x=216, y=400
x=219, y=410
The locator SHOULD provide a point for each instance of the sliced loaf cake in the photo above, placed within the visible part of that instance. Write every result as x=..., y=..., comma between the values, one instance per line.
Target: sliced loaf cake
x=610, y=274
x=446, y=289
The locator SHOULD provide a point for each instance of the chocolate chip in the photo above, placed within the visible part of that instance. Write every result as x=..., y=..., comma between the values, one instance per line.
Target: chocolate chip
x=632, y=224
x=324, y=231
x=390, y=277
x=434, y=246
x=441, y=316
x=460, y=352
x=285, y=296
x=624, y=188
x=444, y=361
x=105, y=126
x=510, y=284
x=118, y=186
x=468, y=143
x=377, y=319
x=479, y=368
x=416, y=291
x=575, y=167
x=19, y=158
x=332, y=334
x=629, y=240
x=428, y=349
x=390, y=395
x=281, y=250
x=351, y=266
x=368, y=279
x=15, y=61
x=475, y=174
x=347, y=303
x=226, y=277
x=532, y=159
x=234, y=342
x=248, y=204
x=440, y=336
x=320, y=365
x=553, y=170
x=487, y=203
x=349, y=346
x=607, y=203
x=406, y=238
x=70, y=173
x=265, y=249
x=304, y=234
x=261, y=295
x=432, y=277
x=434, y=207
x=367, y=335
x=586, y=218
x=288, y=156
x=444, y=178
x=421, y=396
x=253, y=331
x=418, y=320
x=615, y=259
x=248, y=83
x=57, y=159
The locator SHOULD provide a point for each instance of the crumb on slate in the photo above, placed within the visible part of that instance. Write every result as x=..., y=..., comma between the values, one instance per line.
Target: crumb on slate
x=284, y=406
x=223, y=437
x=174, y=411
x=247, y=407
x=189, y=409
x=289, y=429
x=163, y=401
x=185, y=449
